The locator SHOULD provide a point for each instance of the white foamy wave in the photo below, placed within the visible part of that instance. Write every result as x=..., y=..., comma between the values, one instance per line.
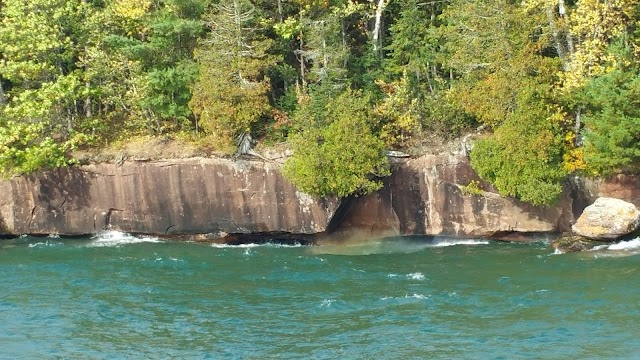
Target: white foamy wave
x=252, y=245
x=117, y=238
x=327, y=302
x=414, y=296
x=415, y=276
x=45, y=244
x=626, y=245
x=444, y=243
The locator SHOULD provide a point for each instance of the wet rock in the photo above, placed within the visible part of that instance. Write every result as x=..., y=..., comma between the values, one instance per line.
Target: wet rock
x=607, y=218
x=574, y=243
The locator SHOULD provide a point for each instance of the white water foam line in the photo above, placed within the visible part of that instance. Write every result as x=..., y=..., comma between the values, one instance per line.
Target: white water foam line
x=415, y=276
x=252, y=245
x=117, y=238
x=626, y=245
x=445, y=243
x=631, y=245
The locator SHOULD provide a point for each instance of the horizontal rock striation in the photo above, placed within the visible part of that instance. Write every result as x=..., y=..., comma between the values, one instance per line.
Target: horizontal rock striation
x=192, y=196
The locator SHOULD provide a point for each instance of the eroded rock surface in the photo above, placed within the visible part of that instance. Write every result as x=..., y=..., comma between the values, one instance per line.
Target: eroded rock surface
x=188, y=196
x=607, y=218
x=209, y=198
x=425, y=196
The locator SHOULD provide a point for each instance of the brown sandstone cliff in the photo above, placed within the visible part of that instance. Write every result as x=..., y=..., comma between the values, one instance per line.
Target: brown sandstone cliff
x=192, y=196
x=425, y=196
x=216, y=197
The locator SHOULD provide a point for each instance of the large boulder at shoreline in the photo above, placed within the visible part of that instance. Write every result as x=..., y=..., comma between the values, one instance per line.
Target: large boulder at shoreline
x=607, y=218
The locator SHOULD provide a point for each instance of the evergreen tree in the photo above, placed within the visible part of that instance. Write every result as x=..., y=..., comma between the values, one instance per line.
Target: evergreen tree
x=328, y=160
x=230, y=93
x=612, y=120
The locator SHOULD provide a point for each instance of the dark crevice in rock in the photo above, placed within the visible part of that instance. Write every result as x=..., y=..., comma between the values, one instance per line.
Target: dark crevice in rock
x=62, y=205
x=33, y=215
x=107, y=218
x=523, y=236
x=340, y=214
x=281, y=238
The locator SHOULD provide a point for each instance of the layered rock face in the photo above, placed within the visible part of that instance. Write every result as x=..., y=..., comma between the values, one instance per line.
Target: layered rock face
x=425, y=196
x=194, y=196
x=607, y=218
x=216, y=197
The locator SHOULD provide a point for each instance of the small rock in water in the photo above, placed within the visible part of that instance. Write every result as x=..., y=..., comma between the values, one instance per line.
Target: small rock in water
x=574, y=243
x=607, y=219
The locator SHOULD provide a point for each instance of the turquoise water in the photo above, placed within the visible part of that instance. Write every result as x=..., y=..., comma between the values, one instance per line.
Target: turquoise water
x=121, y=297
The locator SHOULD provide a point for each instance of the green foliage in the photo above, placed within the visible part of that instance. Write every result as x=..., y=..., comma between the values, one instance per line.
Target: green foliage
x=397, y=114
x=612, y=135
x=24, y=149
x=415, y=45
x=342, y=158
x=170, y=94
x=472, y=189
x=78, y=73
x=496, y=50
x=523, y=158
x=230, y=93
x=442, y=116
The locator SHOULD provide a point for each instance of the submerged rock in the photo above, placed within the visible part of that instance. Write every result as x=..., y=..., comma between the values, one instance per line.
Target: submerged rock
x=607, y=218
x=574, y=243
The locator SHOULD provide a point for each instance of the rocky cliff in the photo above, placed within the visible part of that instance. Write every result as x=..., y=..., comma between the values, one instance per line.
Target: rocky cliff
x=216, y=197
x=427, y=196
x=195, y=196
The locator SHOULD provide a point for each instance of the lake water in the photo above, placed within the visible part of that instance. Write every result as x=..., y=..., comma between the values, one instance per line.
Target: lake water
x=116, y=296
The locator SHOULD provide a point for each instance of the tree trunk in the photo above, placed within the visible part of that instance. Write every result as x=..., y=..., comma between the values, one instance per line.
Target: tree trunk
x=2, y=98
x=378, y=24
x=555, y=33
x=280, y=16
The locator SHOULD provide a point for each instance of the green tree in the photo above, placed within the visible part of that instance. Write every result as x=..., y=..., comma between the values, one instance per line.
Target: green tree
x=342, y=158
x=612, y=135
x=230, y=93
x=523, y=158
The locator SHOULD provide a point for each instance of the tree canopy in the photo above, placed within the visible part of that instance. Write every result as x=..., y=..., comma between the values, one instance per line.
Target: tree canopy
x=555, y=83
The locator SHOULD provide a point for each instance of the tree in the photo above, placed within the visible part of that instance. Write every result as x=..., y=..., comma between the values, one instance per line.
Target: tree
x=230, y=93
x=612, y=120
x=329, y=160
x=523, y=158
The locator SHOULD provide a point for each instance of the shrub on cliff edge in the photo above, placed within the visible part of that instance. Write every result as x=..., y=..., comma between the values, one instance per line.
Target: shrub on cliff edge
x=343, y=158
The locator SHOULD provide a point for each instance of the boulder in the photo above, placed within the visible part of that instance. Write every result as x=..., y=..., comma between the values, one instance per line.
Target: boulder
x=574, y=243
x=607, y=218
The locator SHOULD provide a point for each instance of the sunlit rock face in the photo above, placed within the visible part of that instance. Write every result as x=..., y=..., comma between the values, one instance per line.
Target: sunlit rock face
x=6, y=207
x=208, y=199
x=622, y=186
x=427, y=195
x=607, y=218
x=188, y=196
